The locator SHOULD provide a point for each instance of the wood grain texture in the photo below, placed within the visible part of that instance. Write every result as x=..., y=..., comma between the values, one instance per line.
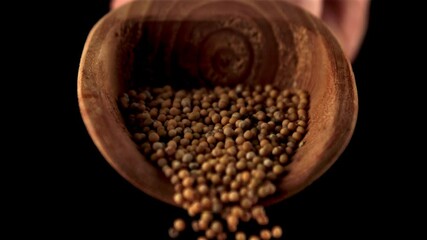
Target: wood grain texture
x=206, y=43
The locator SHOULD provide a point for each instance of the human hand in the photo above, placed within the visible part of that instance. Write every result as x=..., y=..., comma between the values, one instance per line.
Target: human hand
x=347, y=19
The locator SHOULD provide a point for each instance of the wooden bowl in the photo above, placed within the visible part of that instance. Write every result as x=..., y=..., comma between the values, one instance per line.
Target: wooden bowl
x=185, y=43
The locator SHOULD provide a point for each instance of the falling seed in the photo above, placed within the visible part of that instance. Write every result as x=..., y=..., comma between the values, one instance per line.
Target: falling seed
x=223, y=149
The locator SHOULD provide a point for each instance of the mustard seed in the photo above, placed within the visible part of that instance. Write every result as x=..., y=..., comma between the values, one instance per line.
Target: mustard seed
x=240, y=236
x=222, y=149
x=178, y=198
x=188, y=182
x=228, y=131
x=188, y=194
x=265, y=234
x=153, y=137
x=221, y=236
x=278, y=169
x=194, y=209
x=241, y=164
x=232, y=222
x=183, y=173
x=179, y=225
x=276, y=232
x=210, y=233
x=216, y=226
x=203, y=225
x=246, y=203
x=168, y=171
x=187, y=157
x=233, y=196
x=173, y=233
x=215, y=179
x=226, y=180
x=206, y=203
x=162, y=162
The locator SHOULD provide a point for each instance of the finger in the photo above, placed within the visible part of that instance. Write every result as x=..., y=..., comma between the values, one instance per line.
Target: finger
x=348, y=21
x=312, y=6
x=117, y=3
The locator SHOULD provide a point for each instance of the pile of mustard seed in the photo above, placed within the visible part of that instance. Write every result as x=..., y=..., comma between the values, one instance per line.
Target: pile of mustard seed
x=223, y=149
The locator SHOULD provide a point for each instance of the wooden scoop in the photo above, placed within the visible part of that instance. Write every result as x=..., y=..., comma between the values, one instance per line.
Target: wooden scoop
x=183, y=42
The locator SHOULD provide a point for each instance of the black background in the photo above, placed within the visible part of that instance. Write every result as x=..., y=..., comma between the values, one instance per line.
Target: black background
x=367, y=193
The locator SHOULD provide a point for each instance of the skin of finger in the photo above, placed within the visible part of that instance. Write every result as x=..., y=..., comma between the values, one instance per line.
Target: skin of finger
x=117, y=3
x=348, y=21
x=312, y=6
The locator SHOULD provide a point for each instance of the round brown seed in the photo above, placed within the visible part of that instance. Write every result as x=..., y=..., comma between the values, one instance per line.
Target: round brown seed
x=238, y=155
x=179, y=224
x=276, y=232
x=240, y=236
x=265, y=234
x=173, y=233
x=153, y=137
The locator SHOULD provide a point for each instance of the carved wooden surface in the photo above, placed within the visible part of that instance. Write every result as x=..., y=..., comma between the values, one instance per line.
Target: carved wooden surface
x=193, y=43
